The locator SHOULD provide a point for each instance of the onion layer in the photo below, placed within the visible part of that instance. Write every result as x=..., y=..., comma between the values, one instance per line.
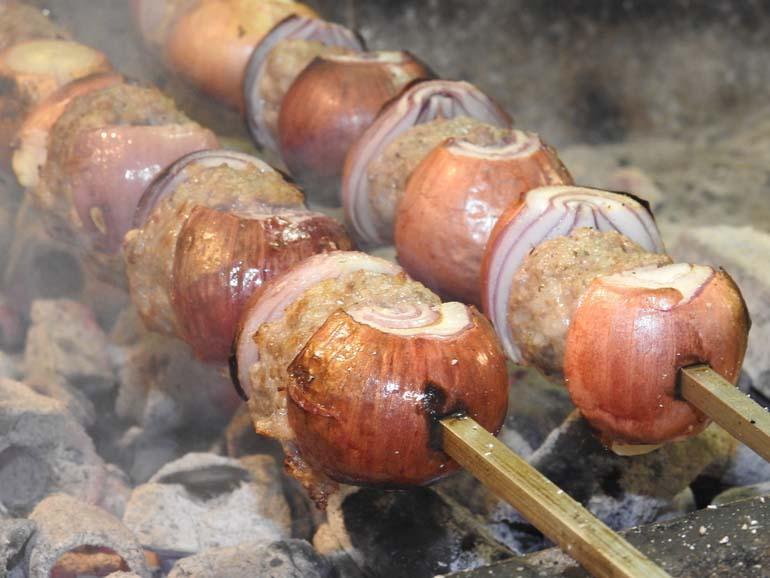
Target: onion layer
x=421, y=103
x=454, y=198
x=291, y=28
x=365, y=399
x=223, y=257
x=329, y=105
x=631, y=334
x=545, y=213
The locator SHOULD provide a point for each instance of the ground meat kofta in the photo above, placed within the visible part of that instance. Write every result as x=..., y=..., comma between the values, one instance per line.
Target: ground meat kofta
x=548, y=286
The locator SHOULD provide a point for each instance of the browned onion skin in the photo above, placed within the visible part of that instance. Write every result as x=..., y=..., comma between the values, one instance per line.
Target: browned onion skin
x=353, y=424
x=210, y=43
x=454, y=199
x=626, y=344
x=329, y=105
x=223, y=257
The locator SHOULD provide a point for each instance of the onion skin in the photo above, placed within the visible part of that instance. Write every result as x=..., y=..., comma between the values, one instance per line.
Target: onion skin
x=31, y=149
x=111, y=167
x=625, y=346
x=454, y=198
x=222, y=258
x=327, y=108
x=364, y=403
x=210, y=44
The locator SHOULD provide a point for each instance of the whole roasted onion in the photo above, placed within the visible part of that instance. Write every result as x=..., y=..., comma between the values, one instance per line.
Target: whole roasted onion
x=546, y=213
x=210, y=42
x=222, y=257
x=31, y=145
x=369, y=387
x=631, y=334
x=370, y=214
x=277, y=61
x=333, y=100
x=210, y=231
x=454, y=198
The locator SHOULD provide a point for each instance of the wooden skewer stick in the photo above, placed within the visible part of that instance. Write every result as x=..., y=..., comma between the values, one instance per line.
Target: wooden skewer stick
x=728, y=406
x=597, y=548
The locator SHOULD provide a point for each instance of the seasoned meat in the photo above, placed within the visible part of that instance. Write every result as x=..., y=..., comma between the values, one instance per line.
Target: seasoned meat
x=282, y=66
x=550, y=282
x=388, y=173
x=149, y=251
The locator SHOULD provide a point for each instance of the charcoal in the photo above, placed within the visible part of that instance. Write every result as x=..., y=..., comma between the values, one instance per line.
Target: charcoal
x=746, y=468
x=80, y=534
x=163, y=387
x=282, y=559
x=143, y=455
x=13, y=536
x=65, y=344
x=75, y=401
x=241, y=439
x=123, y=575
x=742, y=493
x=207, y=501
x=723, y=541
x=39, y=267
x=12, y=327
x=537, y=405
x=43, y=450
x=413, y=533
x=9, y=366
x=743, y=252
x=622, y=491
x=590, y=166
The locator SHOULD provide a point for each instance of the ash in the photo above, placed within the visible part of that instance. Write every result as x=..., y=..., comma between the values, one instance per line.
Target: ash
x=119, y=452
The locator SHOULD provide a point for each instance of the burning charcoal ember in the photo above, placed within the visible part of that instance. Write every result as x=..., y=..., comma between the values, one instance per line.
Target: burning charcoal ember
x=742, y=493
x=13, y=536
x=282, y=559
x=65, y=344
x=207, y=501
x=74, y=538
x=743, y=252
x=163, y=387
x=726, y=541
x=43, y=450
x=415, y=533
